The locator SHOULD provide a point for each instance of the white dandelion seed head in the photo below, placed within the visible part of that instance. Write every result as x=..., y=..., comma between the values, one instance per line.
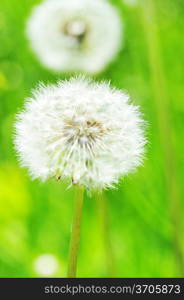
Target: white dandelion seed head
x=46, y=265
x=75, y=35
x=86, y=132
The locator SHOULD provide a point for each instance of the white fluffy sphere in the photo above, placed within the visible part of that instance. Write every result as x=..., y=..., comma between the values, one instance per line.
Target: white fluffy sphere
x=46, y=265
x=75, y=35
x=80, y=130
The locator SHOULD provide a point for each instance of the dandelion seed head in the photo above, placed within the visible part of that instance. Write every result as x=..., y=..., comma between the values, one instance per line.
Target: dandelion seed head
x=46, y=265
x=83, y=131
x=75, y=35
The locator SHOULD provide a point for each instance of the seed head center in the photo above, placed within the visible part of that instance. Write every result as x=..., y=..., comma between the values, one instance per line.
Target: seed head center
x=82, y=130
x=76, y=29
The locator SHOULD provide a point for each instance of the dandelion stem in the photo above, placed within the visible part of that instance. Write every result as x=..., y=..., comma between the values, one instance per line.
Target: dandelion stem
x=148, y=16
x=75, y=234
x=104, y=219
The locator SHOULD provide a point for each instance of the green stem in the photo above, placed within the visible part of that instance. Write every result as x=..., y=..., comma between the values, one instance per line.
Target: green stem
x=148, y=16
x=104, y=220
x=75, y=234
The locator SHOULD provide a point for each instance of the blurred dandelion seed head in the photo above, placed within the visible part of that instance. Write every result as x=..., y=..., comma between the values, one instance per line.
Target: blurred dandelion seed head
x=80, y=130
x=46, y=265
x=72, y=35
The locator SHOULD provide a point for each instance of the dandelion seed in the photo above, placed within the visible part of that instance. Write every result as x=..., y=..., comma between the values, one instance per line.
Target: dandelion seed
x=83, y=131
x=75, y=35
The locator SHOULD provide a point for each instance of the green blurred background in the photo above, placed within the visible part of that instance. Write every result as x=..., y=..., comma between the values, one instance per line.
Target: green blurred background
x=145, y=214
